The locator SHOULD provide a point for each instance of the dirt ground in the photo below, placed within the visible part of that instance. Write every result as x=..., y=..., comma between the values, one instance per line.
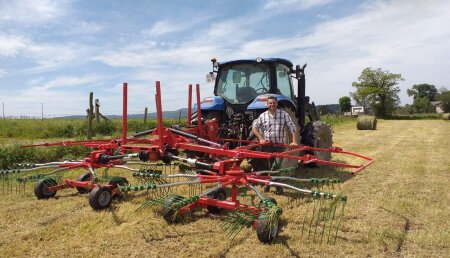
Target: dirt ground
x=399, y=206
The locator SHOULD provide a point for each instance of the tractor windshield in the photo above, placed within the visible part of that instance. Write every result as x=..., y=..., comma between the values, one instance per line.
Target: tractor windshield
x=241, y=83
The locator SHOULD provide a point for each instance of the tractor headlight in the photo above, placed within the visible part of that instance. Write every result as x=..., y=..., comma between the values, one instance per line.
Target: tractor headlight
x=259, y=59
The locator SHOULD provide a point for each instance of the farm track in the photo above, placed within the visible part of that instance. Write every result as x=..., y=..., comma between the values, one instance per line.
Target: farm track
x=398, y=207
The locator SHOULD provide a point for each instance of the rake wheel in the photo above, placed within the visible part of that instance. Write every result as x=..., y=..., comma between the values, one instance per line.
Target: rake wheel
x=83, y=178
x=100, y=197
x=170, y=214
x=41, y=188
x=219, y=195
x=266, y=229
x=118, y=181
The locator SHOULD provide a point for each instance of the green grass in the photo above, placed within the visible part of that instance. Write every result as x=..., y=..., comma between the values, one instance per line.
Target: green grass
x=70, y=128
x=397, y=207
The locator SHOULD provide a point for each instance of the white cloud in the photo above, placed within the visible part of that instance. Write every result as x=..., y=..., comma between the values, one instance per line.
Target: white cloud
x=66, y=81
x=11, y=45
x=164, y=27
x=3, y=72
x=84, y=28
x=290, y=5
x=32, y=12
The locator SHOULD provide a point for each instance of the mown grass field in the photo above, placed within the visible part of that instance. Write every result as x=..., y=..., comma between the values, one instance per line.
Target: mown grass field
x=398, y=207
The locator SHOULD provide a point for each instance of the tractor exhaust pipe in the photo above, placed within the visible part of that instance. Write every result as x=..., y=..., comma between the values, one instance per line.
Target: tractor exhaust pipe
x=125, y=113
x=189, y=114
x=301, y=101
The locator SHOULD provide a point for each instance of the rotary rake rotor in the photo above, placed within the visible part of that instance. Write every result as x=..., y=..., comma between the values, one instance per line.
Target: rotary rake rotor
x=206, y=165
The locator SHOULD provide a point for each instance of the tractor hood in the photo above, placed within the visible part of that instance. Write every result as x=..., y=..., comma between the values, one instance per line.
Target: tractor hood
x=210, y=103
x=260, y=102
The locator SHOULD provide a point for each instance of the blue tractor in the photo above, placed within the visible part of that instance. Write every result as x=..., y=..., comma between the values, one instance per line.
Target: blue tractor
x=240, y=93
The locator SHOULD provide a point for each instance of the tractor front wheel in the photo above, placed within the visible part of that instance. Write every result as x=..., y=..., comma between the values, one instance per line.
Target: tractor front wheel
x=218, y=195
x=100, y=197
x=41, y=188
x=267, y=229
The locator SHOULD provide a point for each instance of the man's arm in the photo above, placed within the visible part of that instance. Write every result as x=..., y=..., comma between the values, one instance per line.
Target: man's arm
x=255, y=130
x=258, y=135
x=294, y=139
x=293, y=129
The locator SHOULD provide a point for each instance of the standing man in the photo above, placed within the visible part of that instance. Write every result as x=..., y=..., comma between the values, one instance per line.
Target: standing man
x=273, y=124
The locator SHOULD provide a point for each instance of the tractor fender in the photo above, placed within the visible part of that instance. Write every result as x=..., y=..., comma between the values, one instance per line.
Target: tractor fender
x=260, y=102
x=210, y=103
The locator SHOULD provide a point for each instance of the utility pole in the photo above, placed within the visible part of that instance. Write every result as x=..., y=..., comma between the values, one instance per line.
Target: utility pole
x=145, y=116
x=42, y=111
x=90, y=115
x=3, y=106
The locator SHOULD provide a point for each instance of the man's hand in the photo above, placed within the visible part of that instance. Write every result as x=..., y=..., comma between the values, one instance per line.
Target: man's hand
x=262, y=141
x=293, y=144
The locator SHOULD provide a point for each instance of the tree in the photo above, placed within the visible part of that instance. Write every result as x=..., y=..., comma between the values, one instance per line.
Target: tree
x=423, y=90
x=345, y=103
x=324, y=110
x=378, y=89
x=422, y=105
x=444, y=97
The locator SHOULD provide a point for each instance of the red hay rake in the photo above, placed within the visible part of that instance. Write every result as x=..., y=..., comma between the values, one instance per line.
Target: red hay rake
x=214, y=164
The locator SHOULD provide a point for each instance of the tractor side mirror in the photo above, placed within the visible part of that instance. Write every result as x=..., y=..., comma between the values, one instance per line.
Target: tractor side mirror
x=299, y=71
x=236, y=77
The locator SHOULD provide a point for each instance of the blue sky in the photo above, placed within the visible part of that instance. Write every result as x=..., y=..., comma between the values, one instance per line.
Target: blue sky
x=56, y=52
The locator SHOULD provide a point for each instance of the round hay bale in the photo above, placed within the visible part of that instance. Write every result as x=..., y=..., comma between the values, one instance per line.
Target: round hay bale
x=446, y=116
x=366, y=123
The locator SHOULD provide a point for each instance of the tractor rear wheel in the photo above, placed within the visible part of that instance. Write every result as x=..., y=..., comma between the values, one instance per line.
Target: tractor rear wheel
x=100, y=197
x=41, y=188
x=218, y=195
x=267, y=229
x=83, y=178
x=318, y=134
x=170, y=213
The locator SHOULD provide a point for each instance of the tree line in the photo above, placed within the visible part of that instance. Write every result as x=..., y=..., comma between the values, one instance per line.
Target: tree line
x=377, y=91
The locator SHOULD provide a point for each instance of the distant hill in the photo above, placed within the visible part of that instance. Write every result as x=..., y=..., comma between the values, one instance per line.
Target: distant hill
x=331, y=108
x=166, y=114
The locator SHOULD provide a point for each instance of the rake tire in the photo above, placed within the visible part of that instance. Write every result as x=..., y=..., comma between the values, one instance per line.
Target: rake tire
x=219, y=194
x=83, y=178
x=266, y=230
x=41, y=188
x=170, y=214
x=100, y=197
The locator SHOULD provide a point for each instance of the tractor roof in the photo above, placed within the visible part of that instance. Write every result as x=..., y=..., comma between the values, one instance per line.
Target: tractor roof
x=265, y=60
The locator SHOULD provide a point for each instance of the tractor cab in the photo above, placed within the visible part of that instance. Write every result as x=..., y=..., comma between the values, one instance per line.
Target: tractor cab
x=241, y=81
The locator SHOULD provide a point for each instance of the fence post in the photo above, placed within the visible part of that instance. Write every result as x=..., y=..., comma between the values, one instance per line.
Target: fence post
x=90, y=115
x=97, y=110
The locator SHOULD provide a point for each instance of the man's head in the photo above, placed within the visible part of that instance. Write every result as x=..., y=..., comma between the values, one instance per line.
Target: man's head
x=272, y=103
